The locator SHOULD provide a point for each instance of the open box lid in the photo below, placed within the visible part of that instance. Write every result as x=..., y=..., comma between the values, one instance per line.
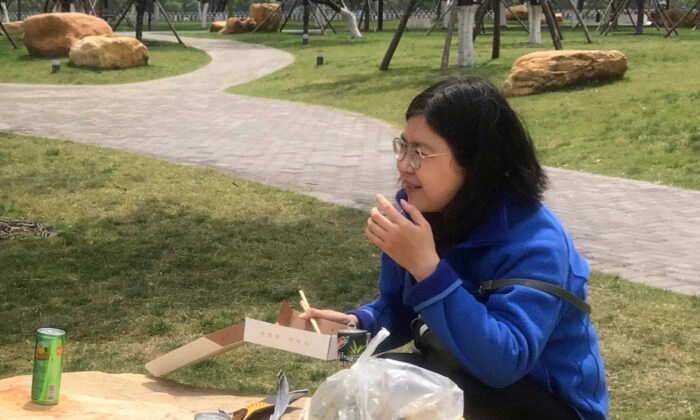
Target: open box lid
x=288, y=323
x=295, y=335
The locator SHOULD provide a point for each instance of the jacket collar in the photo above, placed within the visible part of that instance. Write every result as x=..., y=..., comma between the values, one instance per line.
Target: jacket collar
x=493, y=231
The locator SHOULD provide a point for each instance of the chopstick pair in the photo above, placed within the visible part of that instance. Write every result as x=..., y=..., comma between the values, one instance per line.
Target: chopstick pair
x=305, y=306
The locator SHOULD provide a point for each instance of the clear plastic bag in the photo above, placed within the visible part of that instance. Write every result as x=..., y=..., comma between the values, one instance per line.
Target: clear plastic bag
x=385, y=389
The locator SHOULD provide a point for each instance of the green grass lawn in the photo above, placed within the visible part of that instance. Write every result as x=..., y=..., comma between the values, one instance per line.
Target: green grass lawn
x=150, y=255
x=166, y=59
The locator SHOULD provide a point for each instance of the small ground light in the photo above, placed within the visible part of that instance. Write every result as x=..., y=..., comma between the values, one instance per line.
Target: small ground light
x=55, y=65
x=305, y=39
x=319, y=57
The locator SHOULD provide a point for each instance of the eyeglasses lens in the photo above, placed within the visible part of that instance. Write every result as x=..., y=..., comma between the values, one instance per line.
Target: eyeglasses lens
x=401, y=148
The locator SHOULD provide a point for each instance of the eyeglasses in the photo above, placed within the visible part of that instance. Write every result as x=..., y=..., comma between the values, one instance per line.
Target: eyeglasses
x=415, y=156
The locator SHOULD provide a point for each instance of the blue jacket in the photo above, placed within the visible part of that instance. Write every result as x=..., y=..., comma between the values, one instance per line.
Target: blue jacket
x=515, y=331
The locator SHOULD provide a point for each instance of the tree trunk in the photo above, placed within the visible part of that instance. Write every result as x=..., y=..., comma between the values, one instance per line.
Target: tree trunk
x=5, y=14
x=203, y=7
x=65, y=6
x=346, y=13
x=502, y=14
x=534, y=20
x=496, y=46
x=465, y=31
x=639, y=28
x=305, y=28
x=140, y=12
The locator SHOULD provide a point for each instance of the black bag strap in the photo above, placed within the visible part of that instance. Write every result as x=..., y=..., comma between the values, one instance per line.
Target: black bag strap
x=550, y=288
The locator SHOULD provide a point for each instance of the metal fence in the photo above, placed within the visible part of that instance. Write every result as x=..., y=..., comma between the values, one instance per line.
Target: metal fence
x=592, y=15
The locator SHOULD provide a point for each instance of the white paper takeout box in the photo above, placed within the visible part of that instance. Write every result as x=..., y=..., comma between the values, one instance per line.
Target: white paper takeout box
x=289, y=333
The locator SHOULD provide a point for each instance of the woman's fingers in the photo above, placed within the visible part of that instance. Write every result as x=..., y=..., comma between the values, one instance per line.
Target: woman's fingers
x=391, y=213
x=413, y=211
x=328, y=314
x=378, y=219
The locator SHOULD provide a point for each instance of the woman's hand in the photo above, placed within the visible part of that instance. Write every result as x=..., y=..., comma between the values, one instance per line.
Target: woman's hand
x=330, y=315
x=409, y=243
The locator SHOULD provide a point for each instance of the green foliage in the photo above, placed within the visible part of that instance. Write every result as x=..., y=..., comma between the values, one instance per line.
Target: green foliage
x=149, y=256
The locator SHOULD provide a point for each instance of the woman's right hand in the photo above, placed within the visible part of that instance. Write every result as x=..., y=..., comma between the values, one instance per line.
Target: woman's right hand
x=330, y=315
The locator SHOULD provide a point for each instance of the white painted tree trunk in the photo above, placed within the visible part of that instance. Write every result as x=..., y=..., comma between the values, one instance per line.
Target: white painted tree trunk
x=534, y=20
x=203, y=8
x=445, y=15
x=465, y=34
x=5, y=15
x=502, y=11
x=352, y=22
x=72, y=7
x=320, y=19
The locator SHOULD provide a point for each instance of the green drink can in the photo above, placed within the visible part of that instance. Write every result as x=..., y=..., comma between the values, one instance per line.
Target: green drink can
x=48, y=361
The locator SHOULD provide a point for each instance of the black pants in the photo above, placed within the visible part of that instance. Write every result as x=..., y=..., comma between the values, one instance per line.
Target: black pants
x=521, y=400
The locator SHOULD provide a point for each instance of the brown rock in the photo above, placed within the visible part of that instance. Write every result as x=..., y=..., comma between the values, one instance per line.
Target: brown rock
x=238, y=26
x=13, y=27
x=108, y=52
x=519, y=10
x=674, y=15
x=550, y=70
x=260, y=11
x=217, y=26
x=52, y=34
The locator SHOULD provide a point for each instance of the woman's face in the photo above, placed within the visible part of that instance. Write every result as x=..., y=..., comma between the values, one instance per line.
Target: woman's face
x=437, y=180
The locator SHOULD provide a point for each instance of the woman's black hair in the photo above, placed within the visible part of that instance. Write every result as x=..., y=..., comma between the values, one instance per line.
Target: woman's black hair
x=489, y=142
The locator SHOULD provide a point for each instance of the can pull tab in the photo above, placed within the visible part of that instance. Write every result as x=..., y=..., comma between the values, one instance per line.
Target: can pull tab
x=352, y=325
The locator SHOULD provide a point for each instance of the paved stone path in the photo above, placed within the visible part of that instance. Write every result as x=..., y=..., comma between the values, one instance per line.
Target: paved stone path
x=645, y=232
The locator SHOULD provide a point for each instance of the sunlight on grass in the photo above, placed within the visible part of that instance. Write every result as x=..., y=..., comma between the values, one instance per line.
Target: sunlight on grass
x=149, y=255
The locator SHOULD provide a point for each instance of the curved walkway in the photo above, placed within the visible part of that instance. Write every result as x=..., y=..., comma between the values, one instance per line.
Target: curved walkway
x=645, y=232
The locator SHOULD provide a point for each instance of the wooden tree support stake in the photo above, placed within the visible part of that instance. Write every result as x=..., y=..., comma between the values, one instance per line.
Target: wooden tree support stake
x=448, y=41
x=2, y=27
x=397, y=35
x=675, y=25
x=580, y=20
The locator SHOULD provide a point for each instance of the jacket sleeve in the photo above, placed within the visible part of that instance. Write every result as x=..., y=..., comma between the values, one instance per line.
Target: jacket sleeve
x=500, y=340
x=389, y=310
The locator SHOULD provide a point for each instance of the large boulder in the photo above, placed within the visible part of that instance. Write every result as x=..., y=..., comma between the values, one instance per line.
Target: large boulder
x=675, y=15
x=13, y=28
x=519, y=10
x=108, y=52
x=217, y=26
x=270, y=11
x=52, y=34
x=550, y=70
x=238, y=26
